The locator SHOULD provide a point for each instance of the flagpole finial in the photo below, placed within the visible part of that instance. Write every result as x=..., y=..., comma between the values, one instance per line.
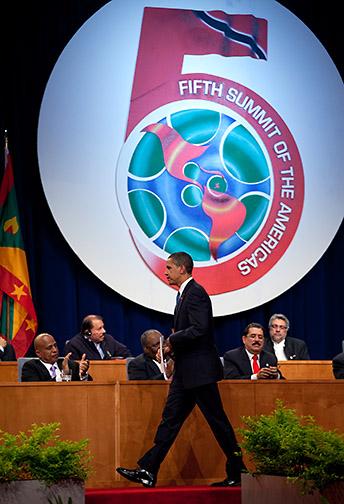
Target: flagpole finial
x=6, y=139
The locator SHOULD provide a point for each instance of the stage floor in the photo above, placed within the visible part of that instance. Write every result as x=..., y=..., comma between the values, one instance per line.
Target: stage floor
x=164, y=495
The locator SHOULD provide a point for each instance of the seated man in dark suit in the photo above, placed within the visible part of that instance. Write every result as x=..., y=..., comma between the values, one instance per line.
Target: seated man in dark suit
x=146, y=366
x=94, y=342
x=338, y=366
x=282, y=345
x=251, y=361
x=7, y=352
x=49, y=367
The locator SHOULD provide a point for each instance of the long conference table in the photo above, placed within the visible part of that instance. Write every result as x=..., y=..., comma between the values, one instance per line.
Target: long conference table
x=119, y=417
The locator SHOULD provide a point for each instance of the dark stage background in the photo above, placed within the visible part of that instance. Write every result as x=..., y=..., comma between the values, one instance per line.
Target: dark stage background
x=63, y=289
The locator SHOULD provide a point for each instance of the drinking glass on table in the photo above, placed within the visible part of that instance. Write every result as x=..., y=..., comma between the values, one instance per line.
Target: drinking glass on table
x=66, y=377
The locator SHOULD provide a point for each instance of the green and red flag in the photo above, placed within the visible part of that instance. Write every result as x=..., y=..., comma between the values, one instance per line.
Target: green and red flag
x=18, y=321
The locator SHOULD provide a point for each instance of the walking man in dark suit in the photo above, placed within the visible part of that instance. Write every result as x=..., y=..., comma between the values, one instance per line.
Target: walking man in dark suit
x=197, y=370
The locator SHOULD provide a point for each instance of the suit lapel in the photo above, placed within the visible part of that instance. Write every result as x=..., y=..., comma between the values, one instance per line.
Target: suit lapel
x=262, y=359
x=246, y=362
x=182, y=300
x=152, y=367
x=44, y=371
x=177, y=307
x=287, y=349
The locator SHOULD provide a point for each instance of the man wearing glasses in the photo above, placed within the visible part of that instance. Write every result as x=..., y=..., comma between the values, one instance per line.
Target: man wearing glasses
x=282, y=345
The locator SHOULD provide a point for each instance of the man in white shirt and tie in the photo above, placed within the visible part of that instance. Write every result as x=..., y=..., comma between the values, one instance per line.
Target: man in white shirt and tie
x=251, y=361
x=49, y=367
x=95, y=342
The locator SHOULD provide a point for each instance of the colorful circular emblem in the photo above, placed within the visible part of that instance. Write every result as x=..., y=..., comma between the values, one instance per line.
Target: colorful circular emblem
x=221, y=182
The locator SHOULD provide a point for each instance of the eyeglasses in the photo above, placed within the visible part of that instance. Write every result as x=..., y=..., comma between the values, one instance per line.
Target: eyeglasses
x=275, y=326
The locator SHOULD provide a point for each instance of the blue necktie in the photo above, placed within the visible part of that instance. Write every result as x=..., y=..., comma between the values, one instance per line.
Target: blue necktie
x=100, y=350
x=177, y=298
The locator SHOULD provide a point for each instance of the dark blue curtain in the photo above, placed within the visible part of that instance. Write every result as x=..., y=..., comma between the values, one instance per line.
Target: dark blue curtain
x=64, y=290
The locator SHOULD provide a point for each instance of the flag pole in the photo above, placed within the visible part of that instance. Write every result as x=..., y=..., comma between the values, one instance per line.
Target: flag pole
x=7, y=334
x=5, y=152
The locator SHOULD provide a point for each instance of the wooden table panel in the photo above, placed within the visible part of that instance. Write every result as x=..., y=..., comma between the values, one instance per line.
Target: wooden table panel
x=322, y=399
x=306, y=370
x=8, y=372
x=120, y=420
x=108, y=371
x=85, y=410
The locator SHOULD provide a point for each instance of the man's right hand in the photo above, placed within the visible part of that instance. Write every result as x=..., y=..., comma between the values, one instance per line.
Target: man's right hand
x=65, y=363
x=83, y=365
x=169, y=367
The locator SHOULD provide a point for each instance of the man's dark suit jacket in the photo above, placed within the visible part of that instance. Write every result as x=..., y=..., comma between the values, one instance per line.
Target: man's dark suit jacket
x=338, y=366
x=8, y=354
x=196, y=358
x=237, y=365
x=294, y=348
x=35, y=370
x=80, y=345
x=197, y=368
x=144, y=368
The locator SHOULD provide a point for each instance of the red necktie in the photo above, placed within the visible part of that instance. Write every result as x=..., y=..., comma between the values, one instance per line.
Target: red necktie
x=256, y=367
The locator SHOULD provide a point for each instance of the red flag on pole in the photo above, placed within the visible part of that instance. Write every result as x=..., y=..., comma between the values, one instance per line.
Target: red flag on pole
x=18, y=321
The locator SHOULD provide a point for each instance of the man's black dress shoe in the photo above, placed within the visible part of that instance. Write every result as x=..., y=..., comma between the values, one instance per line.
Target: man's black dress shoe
x=226, y=483
x=138, y=475
x=234, y=467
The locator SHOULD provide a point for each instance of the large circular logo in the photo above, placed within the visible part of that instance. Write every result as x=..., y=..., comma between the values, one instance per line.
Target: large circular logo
x=207, y=179
x=220, y=145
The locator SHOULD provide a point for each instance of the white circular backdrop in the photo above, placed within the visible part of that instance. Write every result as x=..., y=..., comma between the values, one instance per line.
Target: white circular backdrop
x=82, y=126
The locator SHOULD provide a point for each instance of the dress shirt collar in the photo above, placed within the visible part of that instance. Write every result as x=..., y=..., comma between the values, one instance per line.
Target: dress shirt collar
x=250, y=355
x=183, y=285
x=279, y=350
x=48, y=366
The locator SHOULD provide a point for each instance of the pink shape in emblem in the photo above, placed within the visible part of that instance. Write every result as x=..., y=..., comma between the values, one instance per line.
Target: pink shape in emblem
x=226, y=212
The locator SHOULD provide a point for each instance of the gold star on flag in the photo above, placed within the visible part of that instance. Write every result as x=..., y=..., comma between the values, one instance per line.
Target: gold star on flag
x=30, y=324
x=11, y=225
x=18, y=291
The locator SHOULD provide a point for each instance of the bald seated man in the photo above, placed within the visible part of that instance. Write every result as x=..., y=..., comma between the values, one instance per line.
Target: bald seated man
x=146, y=366
x=51, y=367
